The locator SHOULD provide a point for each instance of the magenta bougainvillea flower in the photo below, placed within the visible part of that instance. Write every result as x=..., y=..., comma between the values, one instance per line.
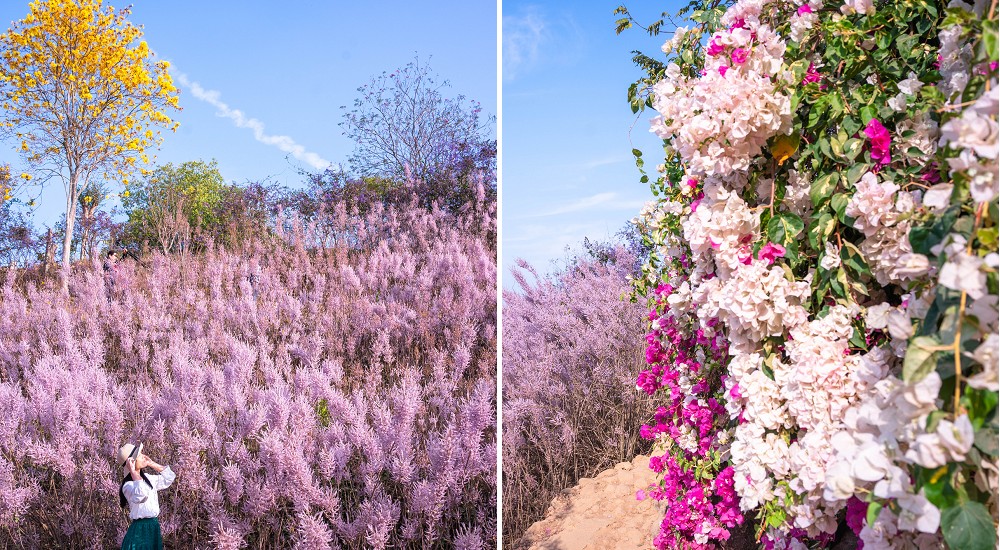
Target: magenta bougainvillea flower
x=714, y=48
x=880, y=141
x=771, y=252
x=812, y=75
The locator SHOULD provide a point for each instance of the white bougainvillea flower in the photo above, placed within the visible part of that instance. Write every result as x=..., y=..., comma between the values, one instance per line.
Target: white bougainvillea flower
x=987, y=355
x=873, y=205
x=900, y=325
x=839, y=481
x=911, y=266
x=916, y=513
x=939, y=196
x=921, y=398
x=963, y=272
x=911, y=85
x=831, y=257
x=950, y=442
x=871, y=463
x=877, y=316
x=983, y=182
x=881, y=534
x=976, y=128
x=895, y=483
x=858, y=6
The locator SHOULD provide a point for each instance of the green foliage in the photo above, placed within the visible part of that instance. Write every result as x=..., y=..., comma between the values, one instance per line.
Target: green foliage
x=323, y=412
x=920, y=358
x=968, y=526
x=174, y=203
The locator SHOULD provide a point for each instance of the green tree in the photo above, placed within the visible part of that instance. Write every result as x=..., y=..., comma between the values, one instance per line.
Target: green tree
x=174, y=204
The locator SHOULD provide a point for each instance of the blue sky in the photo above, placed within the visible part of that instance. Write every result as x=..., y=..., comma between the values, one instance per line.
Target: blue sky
x=291, y=65
x=568, y=131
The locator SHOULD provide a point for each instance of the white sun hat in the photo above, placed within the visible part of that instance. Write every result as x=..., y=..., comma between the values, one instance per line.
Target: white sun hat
x=128, y=450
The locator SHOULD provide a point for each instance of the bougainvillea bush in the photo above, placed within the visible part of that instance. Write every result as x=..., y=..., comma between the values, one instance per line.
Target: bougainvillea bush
x=570, y=354
x=823, y=288
x=330, y=388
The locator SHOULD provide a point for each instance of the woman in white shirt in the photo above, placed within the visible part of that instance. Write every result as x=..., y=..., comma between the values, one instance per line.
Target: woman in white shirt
x=138, y=493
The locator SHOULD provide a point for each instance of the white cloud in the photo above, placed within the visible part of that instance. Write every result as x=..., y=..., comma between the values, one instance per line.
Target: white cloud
x=606, y=161
x=284, y=143
x=606, y=202
x=522, y=38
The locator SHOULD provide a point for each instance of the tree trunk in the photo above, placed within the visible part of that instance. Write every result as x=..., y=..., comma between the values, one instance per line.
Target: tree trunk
x=68, y=235
x=87, y=239
x=50, y=253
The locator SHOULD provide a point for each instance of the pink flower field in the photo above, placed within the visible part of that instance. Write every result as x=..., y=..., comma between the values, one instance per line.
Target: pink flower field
x=333, y=384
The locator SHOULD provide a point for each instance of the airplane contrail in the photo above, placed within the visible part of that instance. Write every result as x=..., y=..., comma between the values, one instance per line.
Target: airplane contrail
x=284, y=143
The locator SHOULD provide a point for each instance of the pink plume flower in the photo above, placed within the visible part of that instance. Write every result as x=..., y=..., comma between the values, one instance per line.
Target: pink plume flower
x=740, y=55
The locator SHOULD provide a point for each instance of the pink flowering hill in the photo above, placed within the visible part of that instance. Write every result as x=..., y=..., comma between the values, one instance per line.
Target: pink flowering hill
x=330, y=387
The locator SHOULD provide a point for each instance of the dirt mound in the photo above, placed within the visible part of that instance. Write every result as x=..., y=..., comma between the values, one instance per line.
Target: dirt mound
x=600, y=513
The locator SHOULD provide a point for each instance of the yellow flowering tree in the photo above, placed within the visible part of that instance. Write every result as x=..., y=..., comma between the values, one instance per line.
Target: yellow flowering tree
x=80, y=91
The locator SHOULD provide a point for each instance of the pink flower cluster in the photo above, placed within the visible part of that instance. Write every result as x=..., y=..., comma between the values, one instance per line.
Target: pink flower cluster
x=684, y=362
x=721, y=119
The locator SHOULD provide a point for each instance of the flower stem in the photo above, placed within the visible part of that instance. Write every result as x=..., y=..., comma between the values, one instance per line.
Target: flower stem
x=956, y=346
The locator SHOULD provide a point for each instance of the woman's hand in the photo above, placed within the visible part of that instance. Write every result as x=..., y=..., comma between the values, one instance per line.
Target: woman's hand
x=132, y=469
x=151, y=464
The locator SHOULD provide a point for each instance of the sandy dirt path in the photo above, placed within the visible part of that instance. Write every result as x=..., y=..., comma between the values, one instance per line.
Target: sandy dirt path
x=600, y=513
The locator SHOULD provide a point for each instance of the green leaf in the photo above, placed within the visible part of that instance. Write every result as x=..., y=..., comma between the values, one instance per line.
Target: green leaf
x=818, y=112
x=936, y=485
x=857, y=339
x=873, y=510
x=820, y=229
x=822, y=188
x=987, y=440
x=990, y=40
x=839, y=204
x=853, y=259
x=824, y=147
x=852, y=148
x=837, y=146
x=868, y=112
x=855, y=172
x=979, y=403
x=851, y=125
x=906, y=42
x=988, y=236
x=968, y=526
x=836, y=105
x=799, y=69
x=920, y=360
x=784, y=227
x=839, y=284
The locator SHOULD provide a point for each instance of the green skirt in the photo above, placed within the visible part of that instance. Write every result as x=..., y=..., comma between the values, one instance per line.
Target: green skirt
x=143, y=534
